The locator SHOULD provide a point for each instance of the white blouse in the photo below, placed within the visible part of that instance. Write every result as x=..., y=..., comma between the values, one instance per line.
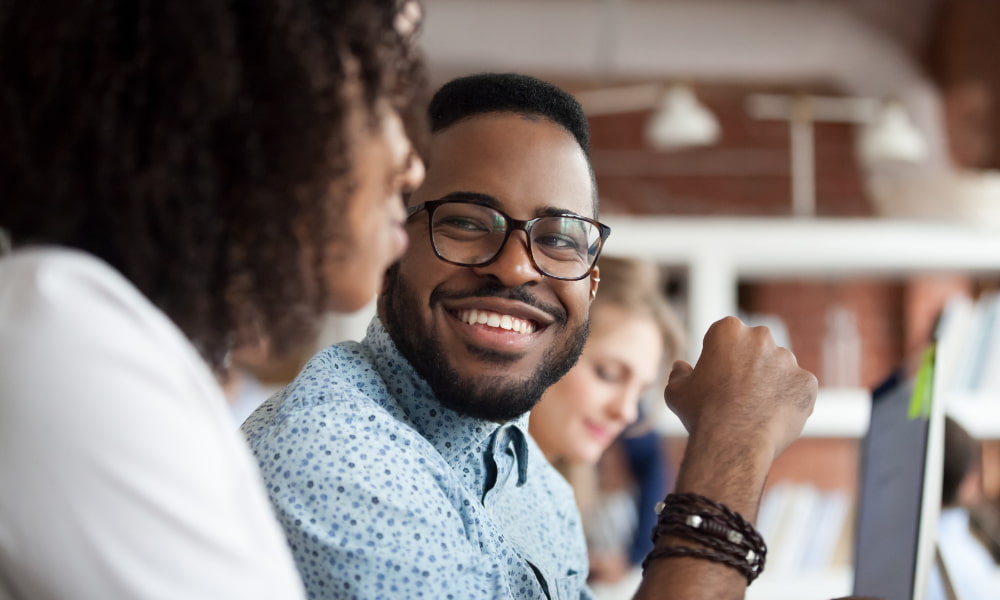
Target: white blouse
x=121, y=474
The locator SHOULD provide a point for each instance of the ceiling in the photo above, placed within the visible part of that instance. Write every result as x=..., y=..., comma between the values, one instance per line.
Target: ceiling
x=860, y=45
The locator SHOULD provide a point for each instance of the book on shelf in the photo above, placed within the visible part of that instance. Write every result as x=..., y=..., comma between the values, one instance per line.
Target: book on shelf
x=958, y=318
x=803, y=527
x=972, y=328
x=795, y=532
x=772, y=507
x=829, y=522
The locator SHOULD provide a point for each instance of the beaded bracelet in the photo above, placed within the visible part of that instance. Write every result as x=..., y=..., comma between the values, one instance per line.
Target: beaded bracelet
x=726, y=537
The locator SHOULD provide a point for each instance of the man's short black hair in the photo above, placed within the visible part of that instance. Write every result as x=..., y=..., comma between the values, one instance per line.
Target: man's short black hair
x=508, y=92
x=483, y=93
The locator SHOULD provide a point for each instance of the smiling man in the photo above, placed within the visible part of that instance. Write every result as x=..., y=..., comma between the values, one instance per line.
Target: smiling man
x=401, y=466
x=491, y=303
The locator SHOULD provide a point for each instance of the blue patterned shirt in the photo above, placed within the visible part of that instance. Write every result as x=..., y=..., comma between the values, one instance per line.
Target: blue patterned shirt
x=385, y=493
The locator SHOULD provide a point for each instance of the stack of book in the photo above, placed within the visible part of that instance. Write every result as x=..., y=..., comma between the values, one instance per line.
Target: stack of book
x=969, y=362
x=806, y=529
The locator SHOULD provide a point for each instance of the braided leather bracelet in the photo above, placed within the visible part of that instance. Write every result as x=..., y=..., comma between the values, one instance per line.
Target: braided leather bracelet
x=726, y=537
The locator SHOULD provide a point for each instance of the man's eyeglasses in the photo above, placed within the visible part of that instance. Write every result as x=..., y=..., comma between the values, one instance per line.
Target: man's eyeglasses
x=469, y=234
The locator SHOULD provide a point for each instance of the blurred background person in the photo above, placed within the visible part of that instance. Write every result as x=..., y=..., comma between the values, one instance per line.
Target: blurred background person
x=588, y=423
x=255, y=374
x=180, y=181
x=971, y=569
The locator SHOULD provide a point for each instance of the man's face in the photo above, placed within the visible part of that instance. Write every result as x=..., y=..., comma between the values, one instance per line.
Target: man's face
x=526, y=168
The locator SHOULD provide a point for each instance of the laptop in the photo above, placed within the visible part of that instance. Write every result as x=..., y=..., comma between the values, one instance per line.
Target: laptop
x=899, y=498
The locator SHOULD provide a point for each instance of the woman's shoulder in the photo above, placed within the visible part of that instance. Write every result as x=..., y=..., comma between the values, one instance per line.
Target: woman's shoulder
x=67, y=315
x=65, y=287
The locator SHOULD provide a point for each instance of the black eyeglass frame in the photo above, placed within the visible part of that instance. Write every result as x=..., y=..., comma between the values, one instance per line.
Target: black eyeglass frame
x=512, y=225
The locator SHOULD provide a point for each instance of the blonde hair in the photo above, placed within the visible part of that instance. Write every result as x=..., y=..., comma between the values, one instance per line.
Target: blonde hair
x=636, y=285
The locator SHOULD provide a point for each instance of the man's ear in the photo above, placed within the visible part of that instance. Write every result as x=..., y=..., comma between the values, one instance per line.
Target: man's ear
x=595, y=280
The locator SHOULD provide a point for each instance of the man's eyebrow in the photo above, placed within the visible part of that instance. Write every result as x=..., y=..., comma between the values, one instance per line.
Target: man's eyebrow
x=555, y=211
x=474, y=197
x=493, y=202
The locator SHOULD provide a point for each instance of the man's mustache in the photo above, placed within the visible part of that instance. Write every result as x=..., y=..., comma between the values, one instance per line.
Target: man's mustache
x=497, y=290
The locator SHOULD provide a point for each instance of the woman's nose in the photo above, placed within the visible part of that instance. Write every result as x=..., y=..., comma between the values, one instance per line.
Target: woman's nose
x=625, y=406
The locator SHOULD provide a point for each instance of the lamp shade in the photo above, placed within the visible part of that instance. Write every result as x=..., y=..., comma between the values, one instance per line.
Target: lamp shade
x=892, y=136
x=681, y=121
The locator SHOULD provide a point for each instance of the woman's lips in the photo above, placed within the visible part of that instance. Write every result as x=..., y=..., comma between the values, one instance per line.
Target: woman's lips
x=601, y=434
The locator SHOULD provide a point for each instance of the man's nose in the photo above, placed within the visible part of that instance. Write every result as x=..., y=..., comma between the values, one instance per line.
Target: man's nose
x=513, y=266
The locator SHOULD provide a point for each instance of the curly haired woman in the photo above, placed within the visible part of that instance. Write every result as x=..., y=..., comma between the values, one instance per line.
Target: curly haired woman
x=179, y=180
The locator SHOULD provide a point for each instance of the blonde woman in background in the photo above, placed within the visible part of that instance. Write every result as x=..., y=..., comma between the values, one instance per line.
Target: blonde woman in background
x=581, y=418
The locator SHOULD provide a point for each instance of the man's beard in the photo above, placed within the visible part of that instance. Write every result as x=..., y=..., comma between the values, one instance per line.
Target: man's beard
x=494, y=398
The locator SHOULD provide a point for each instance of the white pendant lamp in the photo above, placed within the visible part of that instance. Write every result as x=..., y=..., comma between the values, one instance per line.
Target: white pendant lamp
x=681, y=121
x=892, y=136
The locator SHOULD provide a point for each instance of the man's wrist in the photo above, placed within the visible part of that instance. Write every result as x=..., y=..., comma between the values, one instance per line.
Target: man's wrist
x=728, y=469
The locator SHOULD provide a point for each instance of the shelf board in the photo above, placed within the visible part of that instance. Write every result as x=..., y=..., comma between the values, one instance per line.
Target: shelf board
x=773, y=247
x=979, y=414
x=720, y=252
x=839, y=412
x=845, y=412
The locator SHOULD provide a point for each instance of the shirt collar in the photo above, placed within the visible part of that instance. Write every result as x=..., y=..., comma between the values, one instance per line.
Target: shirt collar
x=453, y=435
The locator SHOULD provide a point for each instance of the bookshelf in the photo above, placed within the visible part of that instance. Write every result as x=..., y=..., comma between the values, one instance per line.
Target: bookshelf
x=720, y=252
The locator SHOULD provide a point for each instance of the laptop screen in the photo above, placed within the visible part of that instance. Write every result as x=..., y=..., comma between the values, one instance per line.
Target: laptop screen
x=899, y=496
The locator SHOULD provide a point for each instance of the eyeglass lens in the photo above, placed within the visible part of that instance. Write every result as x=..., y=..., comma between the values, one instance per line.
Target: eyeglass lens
x=473, y=234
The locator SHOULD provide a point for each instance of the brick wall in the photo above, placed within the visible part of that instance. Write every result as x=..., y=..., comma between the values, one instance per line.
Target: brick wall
x=746, y=173
x=803, y=305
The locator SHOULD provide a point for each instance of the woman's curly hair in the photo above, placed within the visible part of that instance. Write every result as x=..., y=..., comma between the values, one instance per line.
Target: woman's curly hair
x=197, y=147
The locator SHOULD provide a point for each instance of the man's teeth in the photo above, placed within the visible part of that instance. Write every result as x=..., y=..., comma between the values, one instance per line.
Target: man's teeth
x=492, y=319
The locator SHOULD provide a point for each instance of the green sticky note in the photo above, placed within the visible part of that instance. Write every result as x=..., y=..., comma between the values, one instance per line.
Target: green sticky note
x=923, y=388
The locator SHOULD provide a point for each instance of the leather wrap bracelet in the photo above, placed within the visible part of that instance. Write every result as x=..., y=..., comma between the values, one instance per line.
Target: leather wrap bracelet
x=722, y=535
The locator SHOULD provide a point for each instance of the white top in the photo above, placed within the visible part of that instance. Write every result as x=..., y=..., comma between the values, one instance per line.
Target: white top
x=121, y=474
x=971, y=569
